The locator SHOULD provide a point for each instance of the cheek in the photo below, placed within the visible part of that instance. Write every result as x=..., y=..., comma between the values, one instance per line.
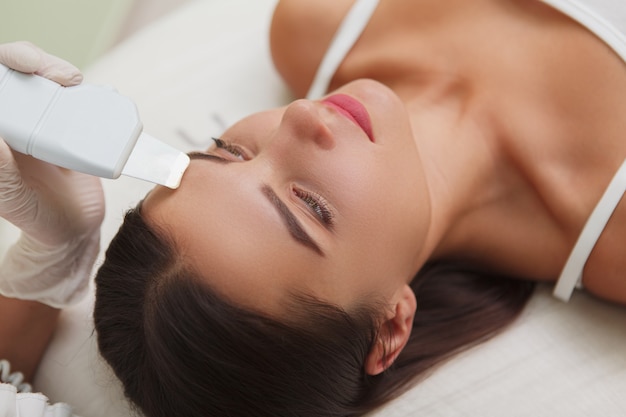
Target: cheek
x=368, y=199
x=385, y=212
x=379, y=184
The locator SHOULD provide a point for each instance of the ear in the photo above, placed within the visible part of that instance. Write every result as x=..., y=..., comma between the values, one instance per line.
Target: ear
x=394, y=333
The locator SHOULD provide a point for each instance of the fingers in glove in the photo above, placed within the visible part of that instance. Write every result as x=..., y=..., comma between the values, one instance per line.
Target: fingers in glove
x=26, y=57
x=46, y=202
x=20, y=56
x=17, y=200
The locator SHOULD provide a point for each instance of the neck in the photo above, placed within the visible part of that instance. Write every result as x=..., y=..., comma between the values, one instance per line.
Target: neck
x=458, y=146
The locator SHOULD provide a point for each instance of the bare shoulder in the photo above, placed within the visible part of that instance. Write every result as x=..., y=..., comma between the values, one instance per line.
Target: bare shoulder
x=300, y=33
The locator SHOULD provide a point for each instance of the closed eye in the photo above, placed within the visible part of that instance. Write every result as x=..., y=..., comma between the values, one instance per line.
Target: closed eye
x=232, y=149
x=317, y=204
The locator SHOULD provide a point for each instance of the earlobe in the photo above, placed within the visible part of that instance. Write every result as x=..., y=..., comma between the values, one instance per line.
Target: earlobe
x=394, y=332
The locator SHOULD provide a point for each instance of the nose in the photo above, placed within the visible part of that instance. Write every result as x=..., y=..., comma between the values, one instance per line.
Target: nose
x=303, y=122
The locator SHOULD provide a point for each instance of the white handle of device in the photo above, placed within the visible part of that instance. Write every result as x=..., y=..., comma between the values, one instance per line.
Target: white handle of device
x=86, y=128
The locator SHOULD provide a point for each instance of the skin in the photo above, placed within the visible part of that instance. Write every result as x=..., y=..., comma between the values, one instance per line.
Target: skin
x=490, y=149
x=493, y=149
x=29, y=333
x=488, y=164
x=374, y=245
x=518, y=142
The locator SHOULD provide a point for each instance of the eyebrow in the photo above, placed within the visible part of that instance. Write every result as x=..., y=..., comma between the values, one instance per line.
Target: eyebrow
x=291, y=221
x=201, y=155
x=293, y=225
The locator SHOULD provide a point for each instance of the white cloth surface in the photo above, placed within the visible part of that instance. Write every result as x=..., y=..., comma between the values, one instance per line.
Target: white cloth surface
x=208, y=62
x=29, y=404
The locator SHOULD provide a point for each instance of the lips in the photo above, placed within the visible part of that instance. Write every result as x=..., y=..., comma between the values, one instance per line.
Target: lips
x=353, y=110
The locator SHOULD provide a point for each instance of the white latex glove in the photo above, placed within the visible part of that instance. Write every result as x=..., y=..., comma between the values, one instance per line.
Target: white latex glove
x=28, y=58
x=58, y=211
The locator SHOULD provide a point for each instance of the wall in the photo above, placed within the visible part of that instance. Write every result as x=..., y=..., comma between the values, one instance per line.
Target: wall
x=77, y=30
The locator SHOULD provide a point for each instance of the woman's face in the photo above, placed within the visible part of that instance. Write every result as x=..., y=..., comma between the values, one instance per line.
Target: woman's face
x=304, y=199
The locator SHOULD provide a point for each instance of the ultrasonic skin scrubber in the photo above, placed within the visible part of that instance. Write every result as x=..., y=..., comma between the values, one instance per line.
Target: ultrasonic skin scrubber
x=86, y=128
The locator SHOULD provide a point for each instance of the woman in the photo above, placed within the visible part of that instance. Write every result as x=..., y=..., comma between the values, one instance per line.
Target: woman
x=281, y=272
x=293, y=292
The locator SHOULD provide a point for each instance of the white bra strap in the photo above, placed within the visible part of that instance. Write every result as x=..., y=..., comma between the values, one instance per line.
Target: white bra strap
x=346, y=36
x=573, y=270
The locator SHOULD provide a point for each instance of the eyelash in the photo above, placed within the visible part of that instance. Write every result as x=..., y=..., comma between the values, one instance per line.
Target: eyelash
x=230, y=148
x=316, y=202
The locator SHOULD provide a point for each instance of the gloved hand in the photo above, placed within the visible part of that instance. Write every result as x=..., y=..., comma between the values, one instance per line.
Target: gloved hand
x=28, y=58
x=58, y=211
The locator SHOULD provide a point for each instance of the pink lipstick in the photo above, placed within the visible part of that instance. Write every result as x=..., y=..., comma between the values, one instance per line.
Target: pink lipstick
x=353, y=110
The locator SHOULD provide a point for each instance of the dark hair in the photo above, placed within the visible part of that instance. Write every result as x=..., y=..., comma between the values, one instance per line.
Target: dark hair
x=180, y=349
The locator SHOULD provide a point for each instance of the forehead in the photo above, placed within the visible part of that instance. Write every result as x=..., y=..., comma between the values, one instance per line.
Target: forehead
x=234, y=239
